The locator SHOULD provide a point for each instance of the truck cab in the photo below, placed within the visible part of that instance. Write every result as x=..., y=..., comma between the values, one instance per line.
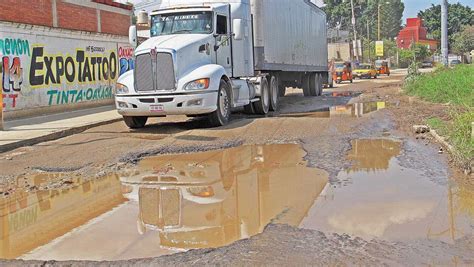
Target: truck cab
x=187, y=66
x=207, y=58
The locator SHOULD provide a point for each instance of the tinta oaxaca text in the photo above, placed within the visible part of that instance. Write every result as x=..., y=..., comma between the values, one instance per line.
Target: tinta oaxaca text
x=83, y=67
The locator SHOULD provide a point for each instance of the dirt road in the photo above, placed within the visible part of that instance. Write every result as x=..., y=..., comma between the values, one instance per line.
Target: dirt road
x=337, y=179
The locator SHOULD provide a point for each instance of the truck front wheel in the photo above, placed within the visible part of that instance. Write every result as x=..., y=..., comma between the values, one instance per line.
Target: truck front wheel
x=135, y=122
x=221, y=116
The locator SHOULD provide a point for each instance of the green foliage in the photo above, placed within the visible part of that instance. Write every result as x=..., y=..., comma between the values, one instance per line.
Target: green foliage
x=458, y=16
x=438, y=124
x=418, y=53
x=405, y=57
x=421, y=52
x=459, y=133
x=464, y=41
x=367, y=11
x=455, y=86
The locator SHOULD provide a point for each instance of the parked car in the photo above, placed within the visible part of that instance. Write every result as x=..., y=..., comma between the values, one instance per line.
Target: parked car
x=365, y=71
x=455, y=62
x=427, y=64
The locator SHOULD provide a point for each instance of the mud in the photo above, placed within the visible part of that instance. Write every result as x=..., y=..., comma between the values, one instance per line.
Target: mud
x=291, y=246
x=326, y=141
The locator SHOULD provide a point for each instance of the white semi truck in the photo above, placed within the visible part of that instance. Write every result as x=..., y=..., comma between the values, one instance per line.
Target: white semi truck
x=209, y=57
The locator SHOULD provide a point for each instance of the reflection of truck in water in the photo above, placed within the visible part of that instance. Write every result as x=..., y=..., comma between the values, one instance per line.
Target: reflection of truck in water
x=205, y=58
x=214, y=198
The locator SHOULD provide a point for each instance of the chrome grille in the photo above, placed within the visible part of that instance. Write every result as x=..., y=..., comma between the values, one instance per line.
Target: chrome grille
x=144, y=73
x=165, y=79
x=158, y=75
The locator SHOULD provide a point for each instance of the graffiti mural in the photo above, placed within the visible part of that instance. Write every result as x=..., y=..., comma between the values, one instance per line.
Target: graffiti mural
x=82, y=67
x=45, y=69
x=12, y=51
x=12, y=74
x=126, y=60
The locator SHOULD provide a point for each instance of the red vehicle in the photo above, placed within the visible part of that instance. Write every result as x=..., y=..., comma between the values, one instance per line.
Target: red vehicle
x=382, y=67
x=343, y=72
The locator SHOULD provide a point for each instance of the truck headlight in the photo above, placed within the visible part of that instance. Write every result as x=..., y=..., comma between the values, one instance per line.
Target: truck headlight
x=200, y=84
x=121, y=89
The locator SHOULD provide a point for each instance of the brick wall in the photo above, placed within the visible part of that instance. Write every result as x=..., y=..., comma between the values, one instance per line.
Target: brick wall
x=37, y=12
x=76, y=17
x=113, y=16
x=114, y=23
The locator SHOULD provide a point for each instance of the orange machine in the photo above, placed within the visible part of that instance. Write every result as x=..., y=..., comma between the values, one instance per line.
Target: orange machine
x=382, y=67
x=343, y=72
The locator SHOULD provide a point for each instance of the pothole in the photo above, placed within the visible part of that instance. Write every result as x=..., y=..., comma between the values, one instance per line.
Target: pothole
x=355, y=110
x=378, y=198
x=165, y=204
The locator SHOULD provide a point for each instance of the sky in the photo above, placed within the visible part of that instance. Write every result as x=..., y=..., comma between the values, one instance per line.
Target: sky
x=412, y=7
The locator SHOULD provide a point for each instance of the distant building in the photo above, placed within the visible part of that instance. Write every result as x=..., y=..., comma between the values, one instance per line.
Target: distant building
x=415, y=32
x=342, y=51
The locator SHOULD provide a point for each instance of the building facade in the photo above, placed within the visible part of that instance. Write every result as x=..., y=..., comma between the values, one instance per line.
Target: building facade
x=415, y=32
x=61, y=55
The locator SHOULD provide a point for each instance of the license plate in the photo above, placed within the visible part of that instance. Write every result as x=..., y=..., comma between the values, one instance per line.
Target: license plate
x=157, y=108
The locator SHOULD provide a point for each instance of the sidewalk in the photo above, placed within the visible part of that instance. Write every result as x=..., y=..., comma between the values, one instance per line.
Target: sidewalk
x=26, y=132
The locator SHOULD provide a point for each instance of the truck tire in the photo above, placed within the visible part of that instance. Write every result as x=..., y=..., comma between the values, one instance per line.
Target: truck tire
x=262, y=106
x=281, y=89
x=248, y=109
x=221, y=116
x=307, y=85
x=274, y=93
x=135, y=122
x=316, y=85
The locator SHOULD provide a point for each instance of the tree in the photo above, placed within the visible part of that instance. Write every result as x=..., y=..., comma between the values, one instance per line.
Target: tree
x=339, y=11
x=458, y=17
x=366, y=11
x=464, y=41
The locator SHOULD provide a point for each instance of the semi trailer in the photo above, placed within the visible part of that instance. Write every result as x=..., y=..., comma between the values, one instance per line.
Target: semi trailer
x=210, y=57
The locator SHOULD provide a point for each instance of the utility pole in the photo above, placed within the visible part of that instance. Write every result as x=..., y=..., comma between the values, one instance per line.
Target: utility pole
x=356, y=45
x=368, y=40
x=378, y=21
x=444, y=32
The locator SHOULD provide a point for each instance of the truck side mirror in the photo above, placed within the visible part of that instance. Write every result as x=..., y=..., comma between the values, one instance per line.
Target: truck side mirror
x=238, y=28
x=132, y=36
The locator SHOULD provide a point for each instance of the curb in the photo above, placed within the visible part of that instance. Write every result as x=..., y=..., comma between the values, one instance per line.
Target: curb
x=54, y=136
x=441, y=140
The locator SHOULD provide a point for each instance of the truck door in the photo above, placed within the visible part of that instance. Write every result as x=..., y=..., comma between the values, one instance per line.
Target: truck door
x=223, y=40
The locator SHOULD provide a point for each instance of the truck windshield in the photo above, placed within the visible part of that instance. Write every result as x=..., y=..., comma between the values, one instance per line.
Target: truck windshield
x=182, y=23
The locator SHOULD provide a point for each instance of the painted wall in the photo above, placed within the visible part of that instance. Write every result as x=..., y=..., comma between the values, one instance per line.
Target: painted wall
x=42, y=67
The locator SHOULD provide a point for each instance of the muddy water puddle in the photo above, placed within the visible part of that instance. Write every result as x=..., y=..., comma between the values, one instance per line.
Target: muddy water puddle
x=50, y=207
x=354, y=110
x=167, y=204
x=378, y=198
